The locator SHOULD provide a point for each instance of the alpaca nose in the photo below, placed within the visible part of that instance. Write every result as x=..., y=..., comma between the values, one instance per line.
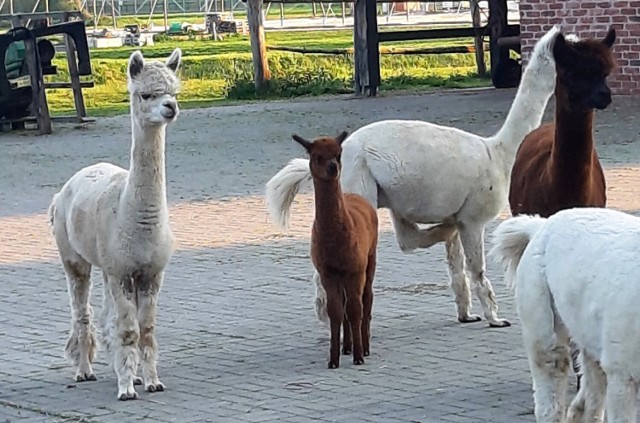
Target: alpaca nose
x=172, y=108
x=602, y=97
x=332, y=169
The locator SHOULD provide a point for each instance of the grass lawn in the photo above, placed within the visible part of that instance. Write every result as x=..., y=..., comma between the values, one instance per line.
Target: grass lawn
x=222, y=70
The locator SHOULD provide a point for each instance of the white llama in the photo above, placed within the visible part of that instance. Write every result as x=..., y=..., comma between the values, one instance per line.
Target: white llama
x=118, y=221
x=576, y=275
x=430, y=174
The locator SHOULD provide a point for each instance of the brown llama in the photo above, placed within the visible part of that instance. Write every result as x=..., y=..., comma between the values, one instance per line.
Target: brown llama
x=557, y=166
x=343, y=247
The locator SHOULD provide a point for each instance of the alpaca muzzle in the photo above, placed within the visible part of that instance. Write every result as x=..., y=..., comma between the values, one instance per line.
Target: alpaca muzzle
x=170, y=109
x=601, y=98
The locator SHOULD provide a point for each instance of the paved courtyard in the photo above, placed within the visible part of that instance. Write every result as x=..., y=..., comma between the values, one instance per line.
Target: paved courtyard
x=238, y=338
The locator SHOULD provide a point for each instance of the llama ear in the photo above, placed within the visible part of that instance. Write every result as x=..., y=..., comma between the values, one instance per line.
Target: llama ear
x=342, y=136
x=610, y=38
x=306, y=144
x=174, y=60
x=136, y=64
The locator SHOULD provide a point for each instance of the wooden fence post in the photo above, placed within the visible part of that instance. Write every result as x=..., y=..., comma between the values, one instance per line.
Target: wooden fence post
x=479, y=45
x=258, y=48
x=365, y=43
x=39, y=106
x=498, y=22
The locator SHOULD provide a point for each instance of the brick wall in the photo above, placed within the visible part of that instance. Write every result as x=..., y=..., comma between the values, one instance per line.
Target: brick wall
x=590, y=18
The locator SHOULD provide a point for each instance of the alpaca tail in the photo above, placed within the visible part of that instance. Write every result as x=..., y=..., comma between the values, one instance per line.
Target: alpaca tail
x=511, y=240
x=536, y=87
x=51, y=211
x=282, y=189
x=321, y=300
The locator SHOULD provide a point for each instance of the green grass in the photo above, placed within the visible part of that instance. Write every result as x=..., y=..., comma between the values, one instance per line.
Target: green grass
x=215, y=71
x=329, y=40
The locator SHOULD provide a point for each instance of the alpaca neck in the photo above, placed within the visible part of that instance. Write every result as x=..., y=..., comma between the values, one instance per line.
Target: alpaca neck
x=572, y=149
x=524, y=116
x=146, y=183
x=330, y=215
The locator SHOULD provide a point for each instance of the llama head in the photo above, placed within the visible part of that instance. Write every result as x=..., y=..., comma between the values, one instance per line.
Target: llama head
x=582, y=69
x=153, y=87
x=324, y=155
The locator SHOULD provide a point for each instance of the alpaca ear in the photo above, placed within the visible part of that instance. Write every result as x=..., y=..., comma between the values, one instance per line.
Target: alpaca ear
x=174, y=60
x=610, y=38
x=136, y=64
x=306, y=144
x=342, y=136
x=562, y=52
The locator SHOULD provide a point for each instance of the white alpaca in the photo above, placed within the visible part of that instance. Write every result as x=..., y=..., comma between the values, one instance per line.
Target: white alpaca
x=576, y=275
x=430, y=174
x=118, y=221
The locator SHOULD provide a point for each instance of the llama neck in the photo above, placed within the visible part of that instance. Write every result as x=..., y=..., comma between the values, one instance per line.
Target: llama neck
x=146, y=182
x=573, y=140
x=330, y=212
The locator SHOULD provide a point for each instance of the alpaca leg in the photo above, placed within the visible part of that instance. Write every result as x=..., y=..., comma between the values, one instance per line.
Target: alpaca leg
x=127, y=335
x=588, y=405
x=347, y=342
x=147, y=300
x=549, y=369
x=546, y=342
x=81, y=345
x=575, y=361
x=410, y=237
x=459, y=280
x=621, y=398
x=473, y=244
x=320, y=300
x=355, y=288
x=367, y=305
x=335, y=308
x=108, y=316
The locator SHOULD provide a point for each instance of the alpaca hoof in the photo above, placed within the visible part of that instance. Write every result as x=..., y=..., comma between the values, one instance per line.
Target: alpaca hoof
x=469, y=319
x=128, y=395
x=346, y=351
x=155, y=387
x=333, y=365
x=358, y=361
x=86, y=377
x=137, y=380
x=500, y=323
x=366, y=353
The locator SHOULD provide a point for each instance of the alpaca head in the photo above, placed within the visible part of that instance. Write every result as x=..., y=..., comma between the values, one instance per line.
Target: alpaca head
x=153, y=87
x=324, y=155
x=582, y=68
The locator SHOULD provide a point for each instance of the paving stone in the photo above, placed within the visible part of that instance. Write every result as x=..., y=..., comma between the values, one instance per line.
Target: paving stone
x=236, y=328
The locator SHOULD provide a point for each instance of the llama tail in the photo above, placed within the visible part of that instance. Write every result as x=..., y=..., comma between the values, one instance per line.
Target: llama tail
x=511, y=240
x=536, y=87
x=282, y=189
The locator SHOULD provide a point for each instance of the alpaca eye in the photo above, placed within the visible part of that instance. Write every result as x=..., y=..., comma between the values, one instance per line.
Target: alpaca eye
x=145, y=96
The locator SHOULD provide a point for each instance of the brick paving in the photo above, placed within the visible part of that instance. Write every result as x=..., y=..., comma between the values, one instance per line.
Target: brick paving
x=238, y=338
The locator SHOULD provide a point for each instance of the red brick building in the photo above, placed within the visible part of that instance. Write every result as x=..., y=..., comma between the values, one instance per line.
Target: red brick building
x=590, y=18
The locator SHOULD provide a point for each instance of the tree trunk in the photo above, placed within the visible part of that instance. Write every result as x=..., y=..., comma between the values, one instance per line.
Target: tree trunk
x=258, y=46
